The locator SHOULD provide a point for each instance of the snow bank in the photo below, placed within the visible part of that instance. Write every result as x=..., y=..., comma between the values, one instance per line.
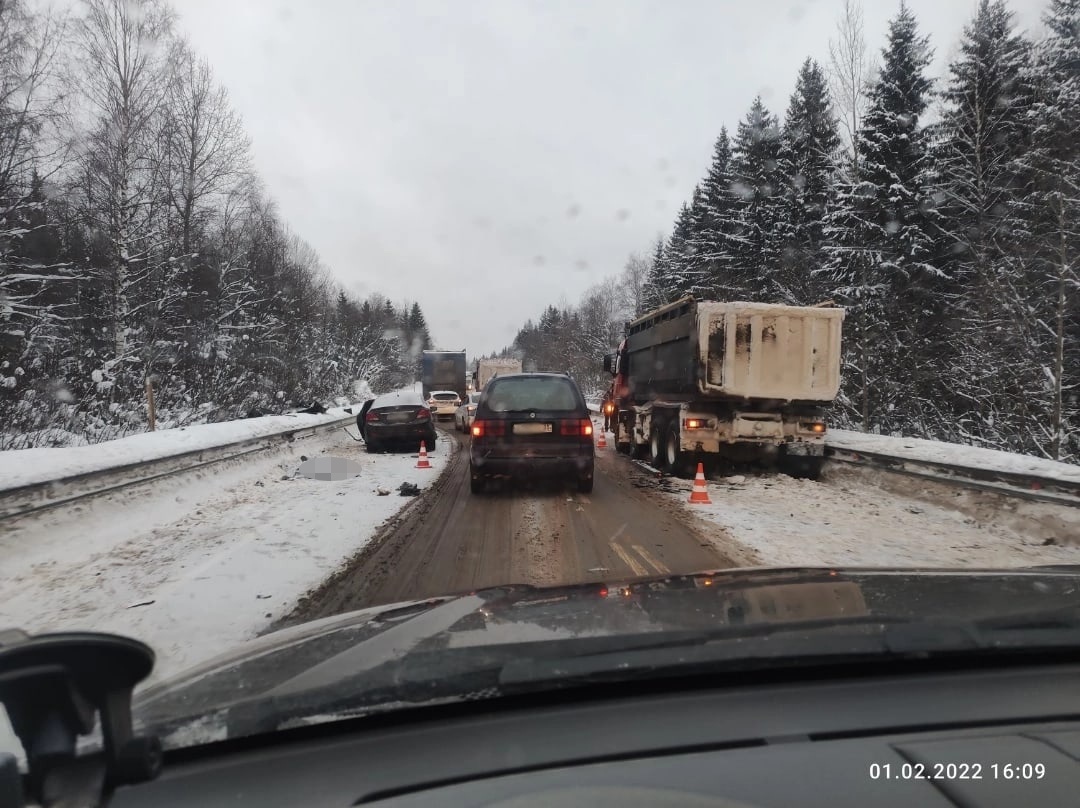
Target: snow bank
x=788, y=522
x=28, y=466
x=954, y=454
x=206, y=562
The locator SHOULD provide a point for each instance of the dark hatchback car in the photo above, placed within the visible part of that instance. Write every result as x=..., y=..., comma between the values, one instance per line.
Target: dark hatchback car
x=531, y=425
x=399, y=419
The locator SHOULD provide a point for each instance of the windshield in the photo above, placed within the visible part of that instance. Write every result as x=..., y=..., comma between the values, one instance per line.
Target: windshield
x=312, y=310
x=507, y=395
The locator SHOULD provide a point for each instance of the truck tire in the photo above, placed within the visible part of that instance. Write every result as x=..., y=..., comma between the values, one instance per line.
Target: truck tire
x=656, y=449
x=678, y=462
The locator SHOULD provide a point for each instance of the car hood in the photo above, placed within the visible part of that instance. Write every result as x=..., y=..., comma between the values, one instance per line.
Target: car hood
x=314, y=658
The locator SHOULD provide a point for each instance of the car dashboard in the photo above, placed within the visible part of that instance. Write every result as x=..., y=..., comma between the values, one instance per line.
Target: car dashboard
x=993, y=737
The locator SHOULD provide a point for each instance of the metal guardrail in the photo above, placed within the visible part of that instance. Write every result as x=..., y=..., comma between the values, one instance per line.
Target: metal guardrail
x=1007, y=483
x=27, y=499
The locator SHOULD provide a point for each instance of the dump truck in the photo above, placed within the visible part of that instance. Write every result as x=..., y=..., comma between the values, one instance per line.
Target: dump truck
x=443, y=370
x=715, y=382
x=487, y=369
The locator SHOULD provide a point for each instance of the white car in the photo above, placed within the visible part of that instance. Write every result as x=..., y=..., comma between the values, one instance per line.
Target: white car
x=463, y=416
x=443, y=403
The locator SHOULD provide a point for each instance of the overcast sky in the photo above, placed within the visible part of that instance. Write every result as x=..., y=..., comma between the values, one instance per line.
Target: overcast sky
x=488, y=157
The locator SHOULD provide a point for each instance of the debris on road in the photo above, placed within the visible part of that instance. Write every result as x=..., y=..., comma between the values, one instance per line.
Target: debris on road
x=382, y=492
x=409, y=490
x=140, y=603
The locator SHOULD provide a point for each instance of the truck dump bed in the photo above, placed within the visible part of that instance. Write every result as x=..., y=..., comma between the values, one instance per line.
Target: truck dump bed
x=740, y=351
x=486, y=369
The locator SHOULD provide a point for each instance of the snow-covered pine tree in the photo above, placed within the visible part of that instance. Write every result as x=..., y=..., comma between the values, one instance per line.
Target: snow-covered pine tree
x=714, y=237
x=1052, y=213
x=756, y=182
x=658, y=280
x=881, y=251
x=685, y=273
x=809, y=153
x=981, y=146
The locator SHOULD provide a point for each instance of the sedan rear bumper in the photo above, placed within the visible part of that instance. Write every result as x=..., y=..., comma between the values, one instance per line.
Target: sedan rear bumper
x=526, y=465
x=386, y=433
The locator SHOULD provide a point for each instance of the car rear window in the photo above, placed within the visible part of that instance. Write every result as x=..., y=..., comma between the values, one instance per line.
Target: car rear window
x=444, y=396
x=532, y=394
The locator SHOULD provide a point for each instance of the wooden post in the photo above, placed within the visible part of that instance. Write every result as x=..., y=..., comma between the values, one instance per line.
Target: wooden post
x=150, y=404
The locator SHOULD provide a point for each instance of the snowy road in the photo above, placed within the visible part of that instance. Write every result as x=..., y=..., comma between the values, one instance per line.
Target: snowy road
x=455, y=541
x=197, y=566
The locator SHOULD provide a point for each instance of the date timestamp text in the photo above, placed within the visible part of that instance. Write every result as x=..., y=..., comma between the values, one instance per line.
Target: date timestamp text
x=957, y=771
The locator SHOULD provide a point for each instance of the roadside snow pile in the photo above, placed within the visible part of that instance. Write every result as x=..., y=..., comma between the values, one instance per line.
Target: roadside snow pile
x=203, y=563
x=952, y=453
x=27, y=466
x=789, y=522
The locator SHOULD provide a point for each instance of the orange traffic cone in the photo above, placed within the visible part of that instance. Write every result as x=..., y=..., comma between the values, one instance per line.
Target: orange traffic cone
x=601, y=442
x=700, y=494
x=422, y=461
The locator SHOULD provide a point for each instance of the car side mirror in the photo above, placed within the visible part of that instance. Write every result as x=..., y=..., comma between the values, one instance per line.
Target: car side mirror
x=609, y=364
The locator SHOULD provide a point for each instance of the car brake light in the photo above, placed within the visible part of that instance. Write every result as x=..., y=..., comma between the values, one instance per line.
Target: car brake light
x=577, y=426
x=423, y=413
x=488, y=429
x=816, y=427
x=372, y=416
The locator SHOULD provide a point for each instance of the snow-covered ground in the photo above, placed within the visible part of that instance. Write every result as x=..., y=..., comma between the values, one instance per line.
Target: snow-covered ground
x=196, y=566
x=860, y=517
x=852, y=520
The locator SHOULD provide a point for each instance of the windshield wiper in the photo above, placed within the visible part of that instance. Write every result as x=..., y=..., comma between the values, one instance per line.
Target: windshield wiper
x=801, y=645
x=434, y=676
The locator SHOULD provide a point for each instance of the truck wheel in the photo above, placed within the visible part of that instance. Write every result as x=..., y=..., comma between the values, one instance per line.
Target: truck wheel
x=656, y=449
x=676, y=458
